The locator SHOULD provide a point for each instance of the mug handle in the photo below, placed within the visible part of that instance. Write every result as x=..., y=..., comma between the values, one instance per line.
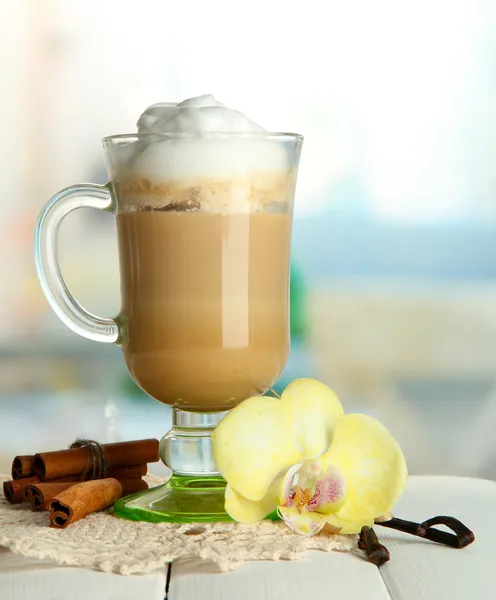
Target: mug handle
x=46, y=255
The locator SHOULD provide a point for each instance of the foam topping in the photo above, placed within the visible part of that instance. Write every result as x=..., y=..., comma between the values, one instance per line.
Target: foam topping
x=193, y=161
x=196, y=116
x=200, y=149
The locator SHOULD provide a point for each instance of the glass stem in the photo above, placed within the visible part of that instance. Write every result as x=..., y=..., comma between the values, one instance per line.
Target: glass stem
x=187, y=447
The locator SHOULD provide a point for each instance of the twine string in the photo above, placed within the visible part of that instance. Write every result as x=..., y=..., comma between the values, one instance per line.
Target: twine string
x=96, y=463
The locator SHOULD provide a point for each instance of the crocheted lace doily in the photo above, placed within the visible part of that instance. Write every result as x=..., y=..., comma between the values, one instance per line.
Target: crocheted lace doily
x=104, y=542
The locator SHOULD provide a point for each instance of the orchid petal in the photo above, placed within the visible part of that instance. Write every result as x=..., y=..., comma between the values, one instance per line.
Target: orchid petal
x=374, y=468
x=250, y=511
x=303, y=522
x=253, y=443
x=315, y=408
x=287, y=484
x=348, y=526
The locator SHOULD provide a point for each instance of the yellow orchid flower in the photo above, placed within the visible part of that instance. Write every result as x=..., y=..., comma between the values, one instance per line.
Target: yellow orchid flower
x=302, y=455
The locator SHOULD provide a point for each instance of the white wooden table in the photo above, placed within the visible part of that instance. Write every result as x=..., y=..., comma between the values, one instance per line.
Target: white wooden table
x=418, y=570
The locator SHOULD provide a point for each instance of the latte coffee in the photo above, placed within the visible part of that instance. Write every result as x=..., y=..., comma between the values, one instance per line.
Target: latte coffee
x=205, y=300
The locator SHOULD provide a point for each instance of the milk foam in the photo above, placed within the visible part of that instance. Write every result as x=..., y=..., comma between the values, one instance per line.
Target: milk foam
x=204, y=150
x=188, y=157
x=196, y=116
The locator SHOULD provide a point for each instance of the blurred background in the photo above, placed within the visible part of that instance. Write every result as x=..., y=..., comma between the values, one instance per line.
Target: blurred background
x=394, y=270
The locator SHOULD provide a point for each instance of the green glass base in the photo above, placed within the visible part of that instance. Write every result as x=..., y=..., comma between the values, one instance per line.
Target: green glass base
x=183, y=499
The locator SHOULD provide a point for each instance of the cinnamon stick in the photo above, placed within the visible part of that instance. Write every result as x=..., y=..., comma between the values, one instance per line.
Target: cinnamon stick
x=121, y=473
x=63, y=463
x=14, y=490
x=22, y=466
x=131, y=486
x=40, y=494
x=83, y=499
x=128, y=472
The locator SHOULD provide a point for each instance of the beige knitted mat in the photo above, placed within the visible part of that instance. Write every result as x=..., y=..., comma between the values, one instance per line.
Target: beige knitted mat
x=104, y=542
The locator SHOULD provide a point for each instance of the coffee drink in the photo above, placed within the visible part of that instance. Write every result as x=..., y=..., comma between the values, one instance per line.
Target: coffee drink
x=205, y=304
x=204, y=232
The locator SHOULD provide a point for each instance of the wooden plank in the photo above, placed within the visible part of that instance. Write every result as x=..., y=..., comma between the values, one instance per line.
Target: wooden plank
x=421, y=570
x=321, y=575
x=24, y=578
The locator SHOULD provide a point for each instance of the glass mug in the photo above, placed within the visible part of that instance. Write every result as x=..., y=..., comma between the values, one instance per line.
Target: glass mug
x=204, y=268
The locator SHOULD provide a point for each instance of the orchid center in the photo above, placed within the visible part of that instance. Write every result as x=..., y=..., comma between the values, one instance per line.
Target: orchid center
x=311, y=493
